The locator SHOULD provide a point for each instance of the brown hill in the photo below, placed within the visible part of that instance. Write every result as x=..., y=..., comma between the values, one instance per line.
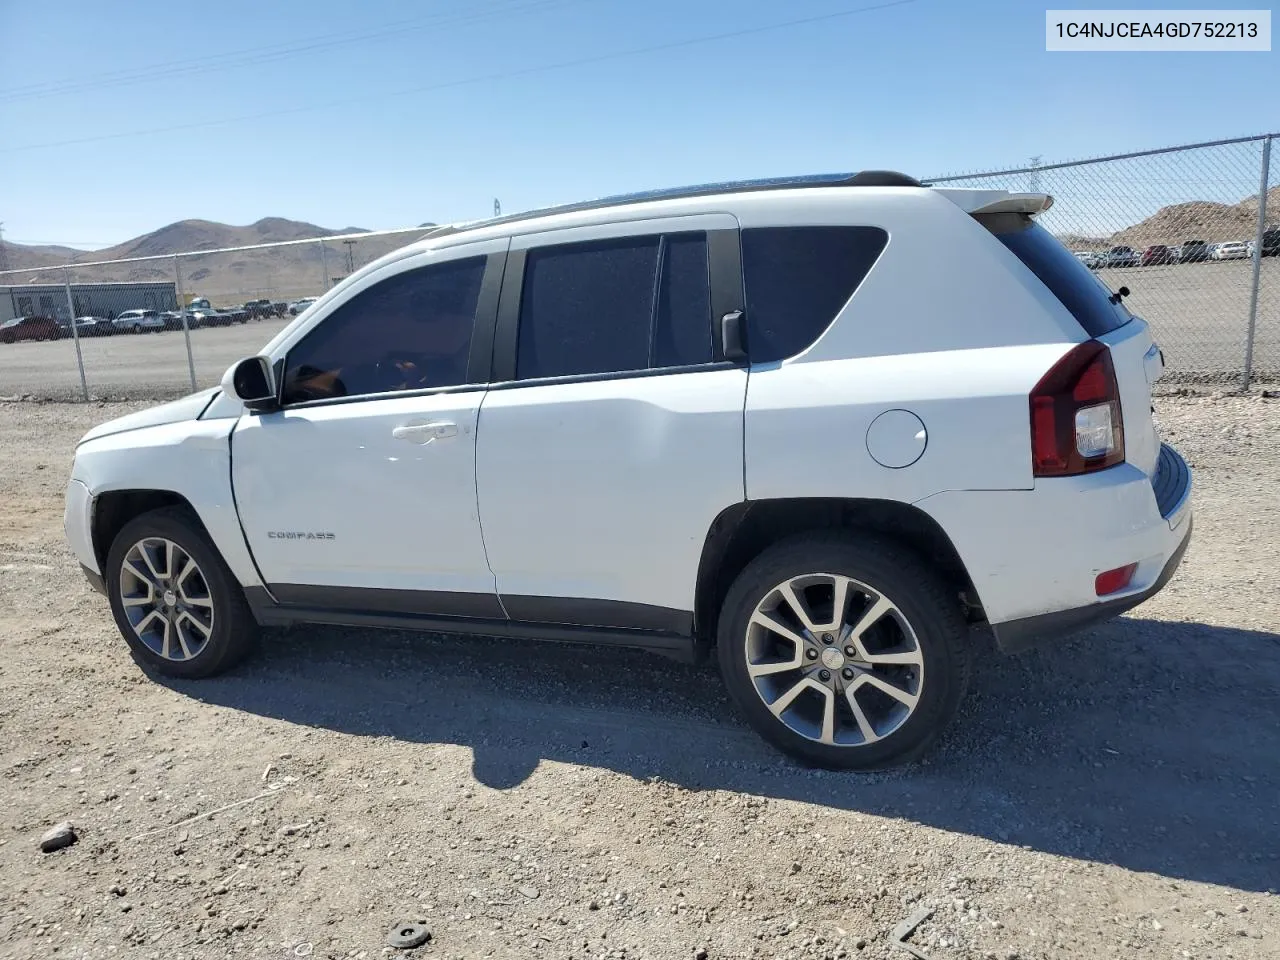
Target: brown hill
x=1200, y=220
x=226, y=278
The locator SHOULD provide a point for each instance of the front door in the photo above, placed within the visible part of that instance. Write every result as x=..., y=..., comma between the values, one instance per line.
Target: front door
x=360, y=493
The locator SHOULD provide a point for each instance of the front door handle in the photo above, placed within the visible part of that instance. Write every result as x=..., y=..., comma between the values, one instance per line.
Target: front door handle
x=425, y=432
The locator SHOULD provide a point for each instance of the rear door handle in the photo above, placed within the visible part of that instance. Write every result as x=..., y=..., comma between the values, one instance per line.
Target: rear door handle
x=425, y=432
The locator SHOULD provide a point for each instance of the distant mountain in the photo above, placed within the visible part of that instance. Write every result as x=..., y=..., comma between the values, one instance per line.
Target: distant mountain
x=226, y=278
x=1200, y=220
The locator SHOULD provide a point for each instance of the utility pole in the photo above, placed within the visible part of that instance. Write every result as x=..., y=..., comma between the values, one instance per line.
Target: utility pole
x=4, y=254
x=351, y=256
x=1035, y=173
x=497, y=207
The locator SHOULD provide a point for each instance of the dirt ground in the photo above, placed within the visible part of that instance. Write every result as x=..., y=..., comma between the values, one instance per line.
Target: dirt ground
x=1114, y=795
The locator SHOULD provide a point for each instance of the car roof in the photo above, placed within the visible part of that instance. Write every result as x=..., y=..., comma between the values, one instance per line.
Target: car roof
x=605, y=205
x=864, y=178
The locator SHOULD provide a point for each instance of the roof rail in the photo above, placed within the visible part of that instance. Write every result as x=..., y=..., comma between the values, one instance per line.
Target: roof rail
x=865, y=178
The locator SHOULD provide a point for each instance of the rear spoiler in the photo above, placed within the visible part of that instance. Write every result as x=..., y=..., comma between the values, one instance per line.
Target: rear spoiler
x=997, y=201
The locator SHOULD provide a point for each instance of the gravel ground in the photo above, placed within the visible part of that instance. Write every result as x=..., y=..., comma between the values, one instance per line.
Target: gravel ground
x=1198, y=312
x=1109, y=796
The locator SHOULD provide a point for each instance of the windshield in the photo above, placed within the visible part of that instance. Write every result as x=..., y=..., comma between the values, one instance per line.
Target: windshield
x=1078, y=288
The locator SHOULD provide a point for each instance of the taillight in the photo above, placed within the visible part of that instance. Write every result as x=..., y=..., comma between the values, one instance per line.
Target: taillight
x=1076, y=425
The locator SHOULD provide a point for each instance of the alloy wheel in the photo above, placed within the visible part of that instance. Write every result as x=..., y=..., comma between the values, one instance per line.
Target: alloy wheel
x=166, y=599
x=834, y=660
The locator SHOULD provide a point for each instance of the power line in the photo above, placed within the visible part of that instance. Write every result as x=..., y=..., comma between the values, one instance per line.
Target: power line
x=265, y=54
x=505, y=75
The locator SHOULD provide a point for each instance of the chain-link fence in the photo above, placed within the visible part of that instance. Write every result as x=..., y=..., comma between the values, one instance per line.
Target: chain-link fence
x=1192, y=231
x=161, y=326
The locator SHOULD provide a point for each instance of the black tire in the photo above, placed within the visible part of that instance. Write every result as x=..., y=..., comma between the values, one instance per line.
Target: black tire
x=932, y=610
x=234, y=630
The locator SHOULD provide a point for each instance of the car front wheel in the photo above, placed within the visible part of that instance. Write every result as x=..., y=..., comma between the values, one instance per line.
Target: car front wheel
x=175, y=601
x=844, y=654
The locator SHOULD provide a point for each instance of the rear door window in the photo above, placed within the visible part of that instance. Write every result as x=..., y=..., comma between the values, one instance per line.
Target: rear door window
x=1078, y=289
x=797, y=279
x=615, y=306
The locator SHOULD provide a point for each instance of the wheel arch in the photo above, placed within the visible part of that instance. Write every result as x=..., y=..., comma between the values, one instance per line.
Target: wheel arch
x=742, y=531
x=115, y=508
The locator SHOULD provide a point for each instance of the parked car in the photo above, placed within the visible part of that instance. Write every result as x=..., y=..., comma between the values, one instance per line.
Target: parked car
x=173, y=320
x=102, y=327
x=29, y=328
x=1233, y=250
x=1122, y=257
x=1156, y=255
x=298, y=306
x=678, y=508
x=212, y=316
x=209, y=317
x=1090, y=259
x=257, y=309
x=85, y=326
x=138, y=321
x=1271, y=243
x=1194, y=251
x=1175, y=254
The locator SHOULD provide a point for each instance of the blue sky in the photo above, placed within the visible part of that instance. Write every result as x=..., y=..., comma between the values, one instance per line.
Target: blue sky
x=398, y=113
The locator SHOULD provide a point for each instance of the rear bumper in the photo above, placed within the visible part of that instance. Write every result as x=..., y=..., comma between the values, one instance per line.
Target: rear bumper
x=1033, y=555
x=1014, y=636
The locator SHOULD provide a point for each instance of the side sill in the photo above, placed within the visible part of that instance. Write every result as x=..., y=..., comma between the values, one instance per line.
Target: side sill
x=674, y=646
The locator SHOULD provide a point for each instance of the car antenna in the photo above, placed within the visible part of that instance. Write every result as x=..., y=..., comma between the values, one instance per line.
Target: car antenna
x=1119, y=295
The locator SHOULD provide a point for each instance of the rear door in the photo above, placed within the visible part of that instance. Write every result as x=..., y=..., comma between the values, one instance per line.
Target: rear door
x=1104, y=316
x=612, y=435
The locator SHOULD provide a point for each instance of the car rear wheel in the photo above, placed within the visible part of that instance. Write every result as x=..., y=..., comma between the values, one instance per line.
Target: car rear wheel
x=175, y=601
x=844, y=654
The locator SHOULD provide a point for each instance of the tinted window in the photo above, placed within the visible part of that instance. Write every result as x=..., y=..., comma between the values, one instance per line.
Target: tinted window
x=1078, y=288
x=797, y=279
x=409, y=332
x=682, y=316
x=614, y=306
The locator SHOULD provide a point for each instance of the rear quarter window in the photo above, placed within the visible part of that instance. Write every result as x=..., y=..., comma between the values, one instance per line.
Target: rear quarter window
x=1076, y=287
x=797, y=279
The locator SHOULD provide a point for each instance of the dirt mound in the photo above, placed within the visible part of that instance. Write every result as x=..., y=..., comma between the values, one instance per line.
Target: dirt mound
x=1200, y=220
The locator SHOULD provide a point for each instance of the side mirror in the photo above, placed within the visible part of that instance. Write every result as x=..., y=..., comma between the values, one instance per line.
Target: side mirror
x=251, y=382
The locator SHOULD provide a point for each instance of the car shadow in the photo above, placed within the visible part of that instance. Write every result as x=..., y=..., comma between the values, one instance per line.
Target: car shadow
x=1147, y=744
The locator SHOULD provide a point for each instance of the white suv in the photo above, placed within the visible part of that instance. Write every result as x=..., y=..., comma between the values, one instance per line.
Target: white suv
x=761, y=417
